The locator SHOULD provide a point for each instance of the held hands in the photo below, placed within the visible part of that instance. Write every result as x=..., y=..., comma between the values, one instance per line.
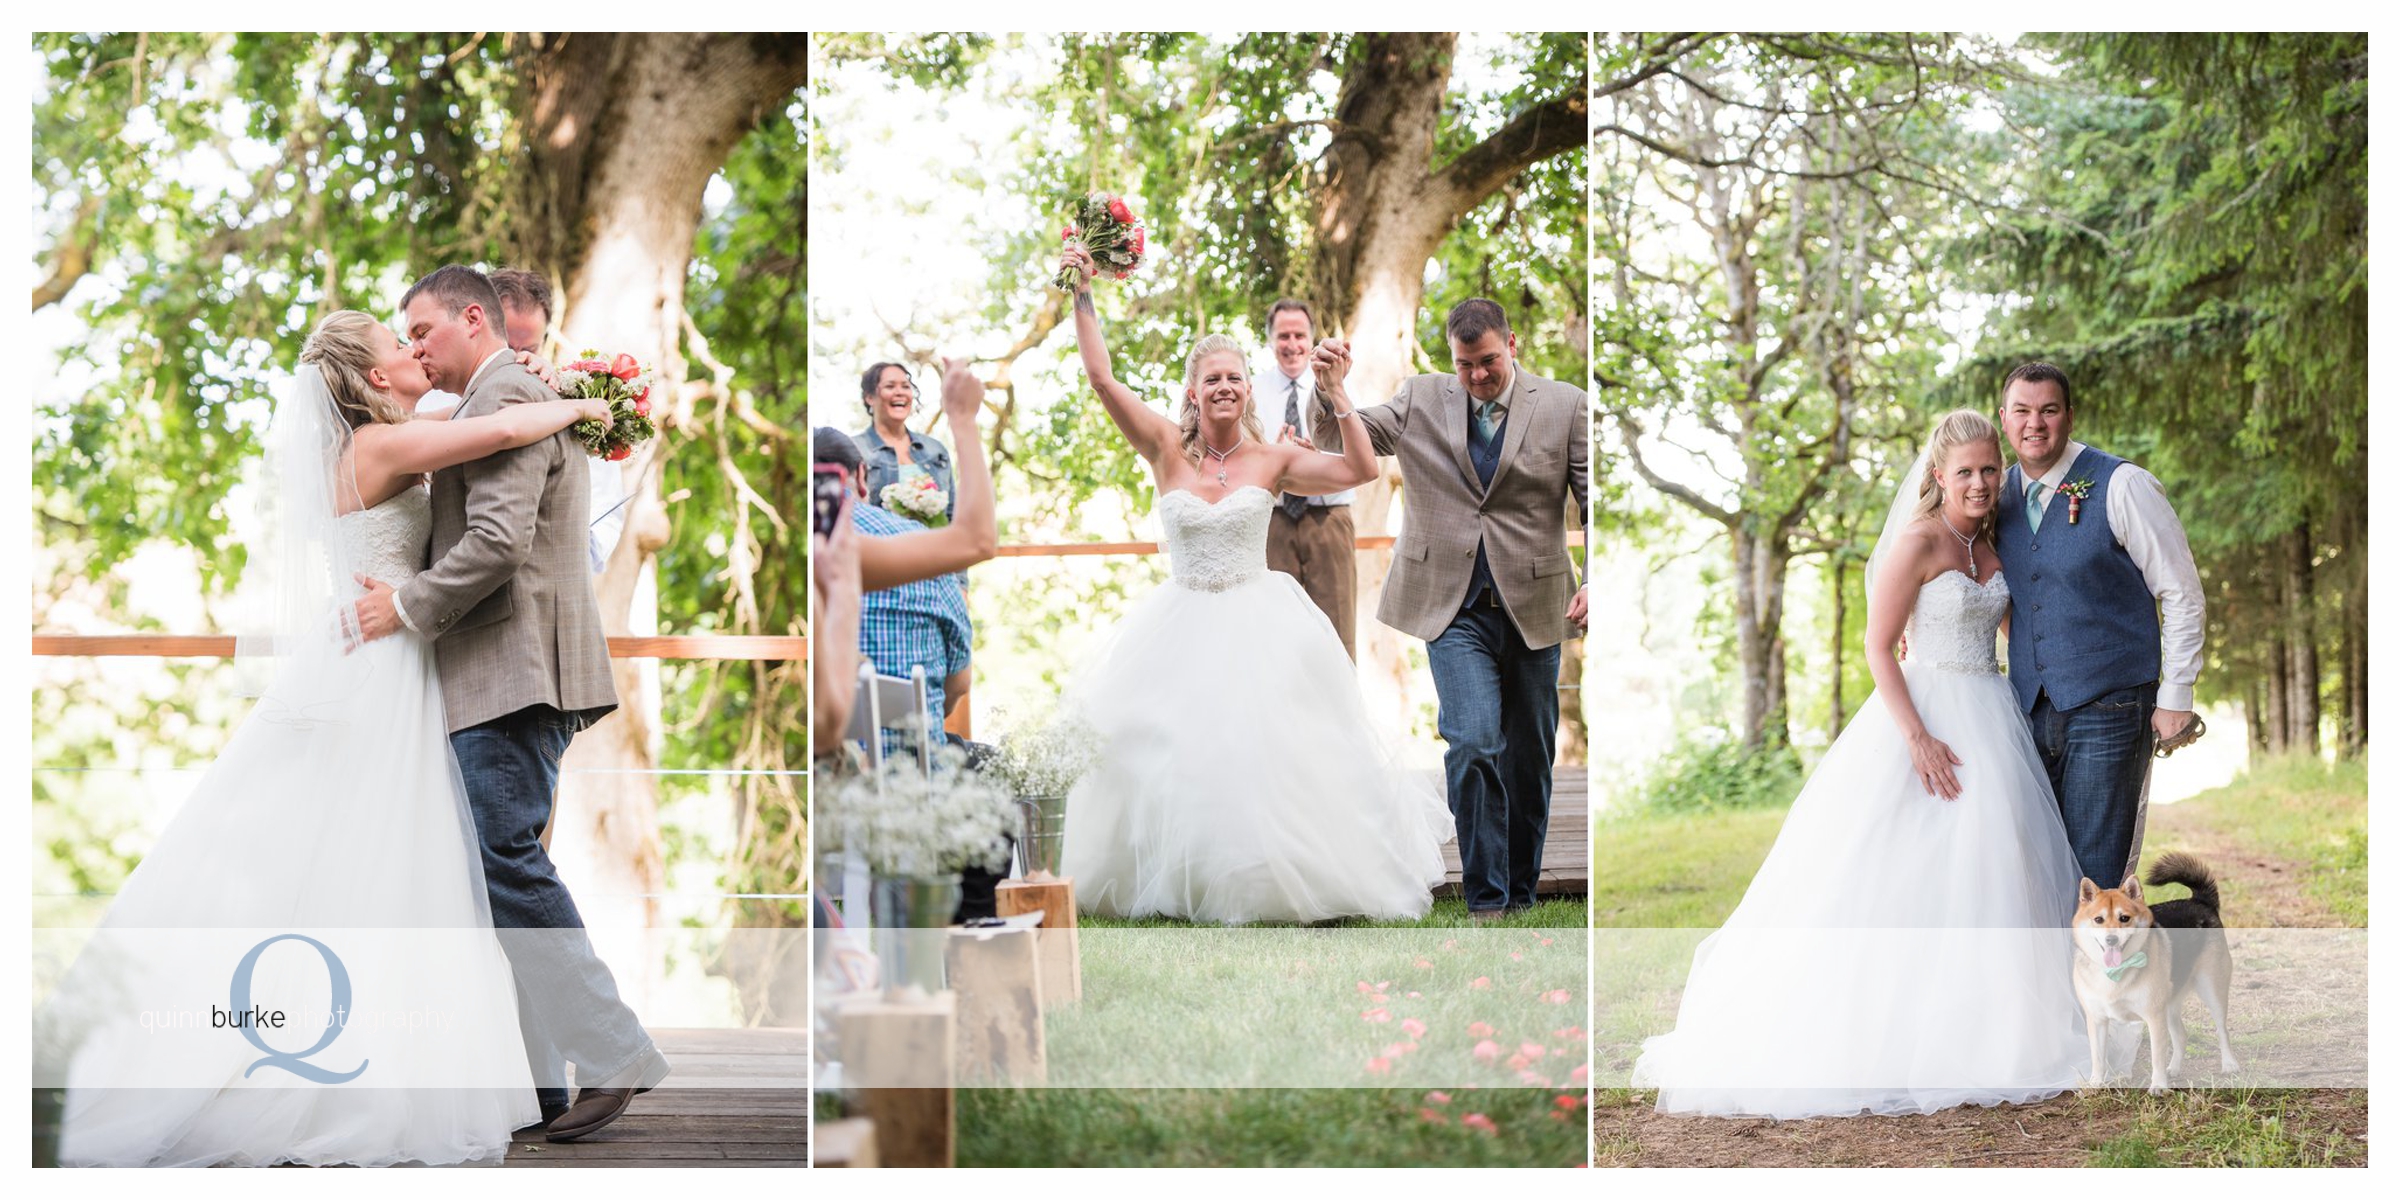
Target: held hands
x=377, y=616
x=1933, y=760
x=1579, y=609
x=962, y=391
x=1332, y=365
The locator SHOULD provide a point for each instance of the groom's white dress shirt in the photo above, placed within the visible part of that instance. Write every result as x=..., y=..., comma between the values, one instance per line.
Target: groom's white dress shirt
x=1268, y=399
x=2146, y=526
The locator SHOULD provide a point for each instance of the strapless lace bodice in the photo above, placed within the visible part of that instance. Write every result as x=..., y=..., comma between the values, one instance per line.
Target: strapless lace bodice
x=1956, y=623
x=1212, y=547
x=387, y=542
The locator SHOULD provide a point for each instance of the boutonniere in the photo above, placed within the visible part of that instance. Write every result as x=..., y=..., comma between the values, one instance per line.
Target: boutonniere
x=2075, y=490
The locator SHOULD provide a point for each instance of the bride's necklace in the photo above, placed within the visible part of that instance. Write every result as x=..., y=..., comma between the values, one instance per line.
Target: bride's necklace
x=1222, y=455
x=1966, y=541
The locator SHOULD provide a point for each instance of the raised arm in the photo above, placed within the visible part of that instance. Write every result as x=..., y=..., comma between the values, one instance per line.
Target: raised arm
x=973, y=534
x=420, y=447
x=1151, y=434
x=504, y=492
x=1894, y=595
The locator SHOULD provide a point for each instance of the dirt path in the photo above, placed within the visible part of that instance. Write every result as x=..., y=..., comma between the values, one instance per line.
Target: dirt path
x=2063, y=1132
x=2259, y=888
x=2197, y=1127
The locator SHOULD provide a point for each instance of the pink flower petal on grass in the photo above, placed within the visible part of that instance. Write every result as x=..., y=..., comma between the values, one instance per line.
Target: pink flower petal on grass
x=1479, y=1123
x=1517, y=1062
x=1427, y=1114
x=1481, y=983
x=1413, y=1027
x=1437, y=1097
x=1568, y=1103
x=1376, y=1016
x=1581, y=1074
x=1532, y=1050
x=1560, y=996
x=1479, y=1030
x=1379, y=1066
x=1487, y=1050
x=1572, y=1033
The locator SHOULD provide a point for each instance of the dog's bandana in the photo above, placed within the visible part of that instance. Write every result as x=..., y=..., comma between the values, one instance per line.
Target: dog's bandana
x=2116, y=971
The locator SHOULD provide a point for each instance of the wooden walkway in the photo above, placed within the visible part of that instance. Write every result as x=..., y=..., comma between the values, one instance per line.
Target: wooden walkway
x=738, y=1098
x=1566, y=853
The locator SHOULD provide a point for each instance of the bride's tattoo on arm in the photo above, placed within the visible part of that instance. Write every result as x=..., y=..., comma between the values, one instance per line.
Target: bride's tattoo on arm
x=1083, y=304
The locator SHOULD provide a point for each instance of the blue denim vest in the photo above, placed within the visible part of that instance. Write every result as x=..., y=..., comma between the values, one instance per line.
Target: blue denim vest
x=2084, y=623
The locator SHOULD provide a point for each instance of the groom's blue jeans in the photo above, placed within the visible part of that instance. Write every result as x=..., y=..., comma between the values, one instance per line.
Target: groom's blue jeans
x=1499, y=715
x=567, y=1003
x=2098, y=757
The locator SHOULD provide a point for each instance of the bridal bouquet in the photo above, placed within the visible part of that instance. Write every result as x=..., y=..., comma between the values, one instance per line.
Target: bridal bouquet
x=903, y=822
x=1105, y=226
x=919, y=498
x=622, y=381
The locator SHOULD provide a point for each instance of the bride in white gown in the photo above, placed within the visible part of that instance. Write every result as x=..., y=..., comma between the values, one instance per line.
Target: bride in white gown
x=336, y=806
x=1903, y=948
x=1238, y=778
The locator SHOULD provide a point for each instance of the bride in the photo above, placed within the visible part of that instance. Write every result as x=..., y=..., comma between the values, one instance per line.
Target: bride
x=1237, y=779
x=1902, y=949
x=335, y=808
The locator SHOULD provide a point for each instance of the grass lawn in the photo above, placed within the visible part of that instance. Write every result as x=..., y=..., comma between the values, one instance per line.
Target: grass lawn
x=2288, y=840
x=1354, y=1043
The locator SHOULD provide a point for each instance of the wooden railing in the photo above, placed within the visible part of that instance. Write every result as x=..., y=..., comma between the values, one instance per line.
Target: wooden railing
x=146, y=645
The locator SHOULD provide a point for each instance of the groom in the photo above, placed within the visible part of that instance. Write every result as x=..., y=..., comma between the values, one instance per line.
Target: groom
x=508, y=605
x=2105, y=617
x=1493, y=455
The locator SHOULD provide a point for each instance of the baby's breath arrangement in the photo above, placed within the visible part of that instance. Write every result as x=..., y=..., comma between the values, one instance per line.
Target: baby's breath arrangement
x=1045, y=754
x=902, y=821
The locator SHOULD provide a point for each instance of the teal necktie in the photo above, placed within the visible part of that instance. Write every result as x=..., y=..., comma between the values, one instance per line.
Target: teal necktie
x=1487, y=418
x=2034, y=504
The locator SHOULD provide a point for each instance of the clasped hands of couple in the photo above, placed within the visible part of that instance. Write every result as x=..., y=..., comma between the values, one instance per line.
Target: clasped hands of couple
x=375, y=615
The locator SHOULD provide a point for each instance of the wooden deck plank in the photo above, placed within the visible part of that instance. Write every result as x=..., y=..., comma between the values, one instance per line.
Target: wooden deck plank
x=750, y=1109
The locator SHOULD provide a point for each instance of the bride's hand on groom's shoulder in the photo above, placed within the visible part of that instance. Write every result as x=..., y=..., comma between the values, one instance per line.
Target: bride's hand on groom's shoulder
x=540, y=367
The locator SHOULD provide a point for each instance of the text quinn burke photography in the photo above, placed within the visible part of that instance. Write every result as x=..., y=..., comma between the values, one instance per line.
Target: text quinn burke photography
x=1458, y=600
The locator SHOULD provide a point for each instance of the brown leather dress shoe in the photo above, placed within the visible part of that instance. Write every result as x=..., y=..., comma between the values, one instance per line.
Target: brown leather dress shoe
x=593, y=1110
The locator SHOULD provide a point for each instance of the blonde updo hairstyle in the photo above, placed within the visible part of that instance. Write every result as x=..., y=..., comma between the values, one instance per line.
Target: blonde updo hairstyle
x=1215, y=343
x=340, y=349
x=1960, y=427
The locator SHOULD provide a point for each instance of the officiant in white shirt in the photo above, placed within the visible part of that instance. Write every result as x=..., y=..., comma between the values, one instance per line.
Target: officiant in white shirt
x=1310, y=538
x=525, y=302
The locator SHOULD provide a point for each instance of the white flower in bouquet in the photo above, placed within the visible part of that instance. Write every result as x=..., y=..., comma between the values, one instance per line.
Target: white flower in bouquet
x=1044, y=756
x=919, y=498
x=901, y=821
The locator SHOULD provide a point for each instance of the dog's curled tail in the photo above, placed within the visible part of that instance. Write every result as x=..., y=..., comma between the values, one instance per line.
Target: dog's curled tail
x=2176, y=866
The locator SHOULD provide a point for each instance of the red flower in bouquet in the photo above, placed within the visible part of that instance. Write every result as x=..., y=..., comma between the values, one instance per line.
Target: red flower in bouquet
x=1118, y=211
x=621, y=382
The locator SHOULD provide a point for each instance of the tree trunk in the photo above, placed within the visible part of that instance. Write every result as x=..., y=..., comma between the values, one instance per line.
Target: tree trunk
x=2300, y=637
x=624, y=133
x=2255, y=714
x=1759, y=568
x=2354, y=655
x=2279, y=676
x=1840, y=639
x=1382, y=209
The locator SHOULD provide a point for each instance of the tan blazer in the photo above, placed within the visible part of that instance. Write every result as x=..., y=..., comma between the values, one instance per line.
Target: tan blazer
x=1521, y=519
x=508, y=598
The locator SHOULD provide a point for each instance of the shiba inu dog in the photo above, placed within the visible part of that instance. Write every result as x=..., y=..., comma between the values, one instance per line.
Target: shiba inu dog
x=2138, y=963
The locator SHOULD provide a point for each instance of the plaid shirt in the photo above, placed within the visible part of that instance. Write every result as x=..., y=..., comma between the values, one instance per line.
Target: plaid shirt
x=916, y=624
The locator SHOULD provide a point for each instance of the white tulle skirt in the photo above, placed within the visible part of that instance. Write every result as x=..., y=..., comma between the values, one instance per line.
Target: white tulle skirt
x=342, y=816
x=1897, y=953
x=1238, y=778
